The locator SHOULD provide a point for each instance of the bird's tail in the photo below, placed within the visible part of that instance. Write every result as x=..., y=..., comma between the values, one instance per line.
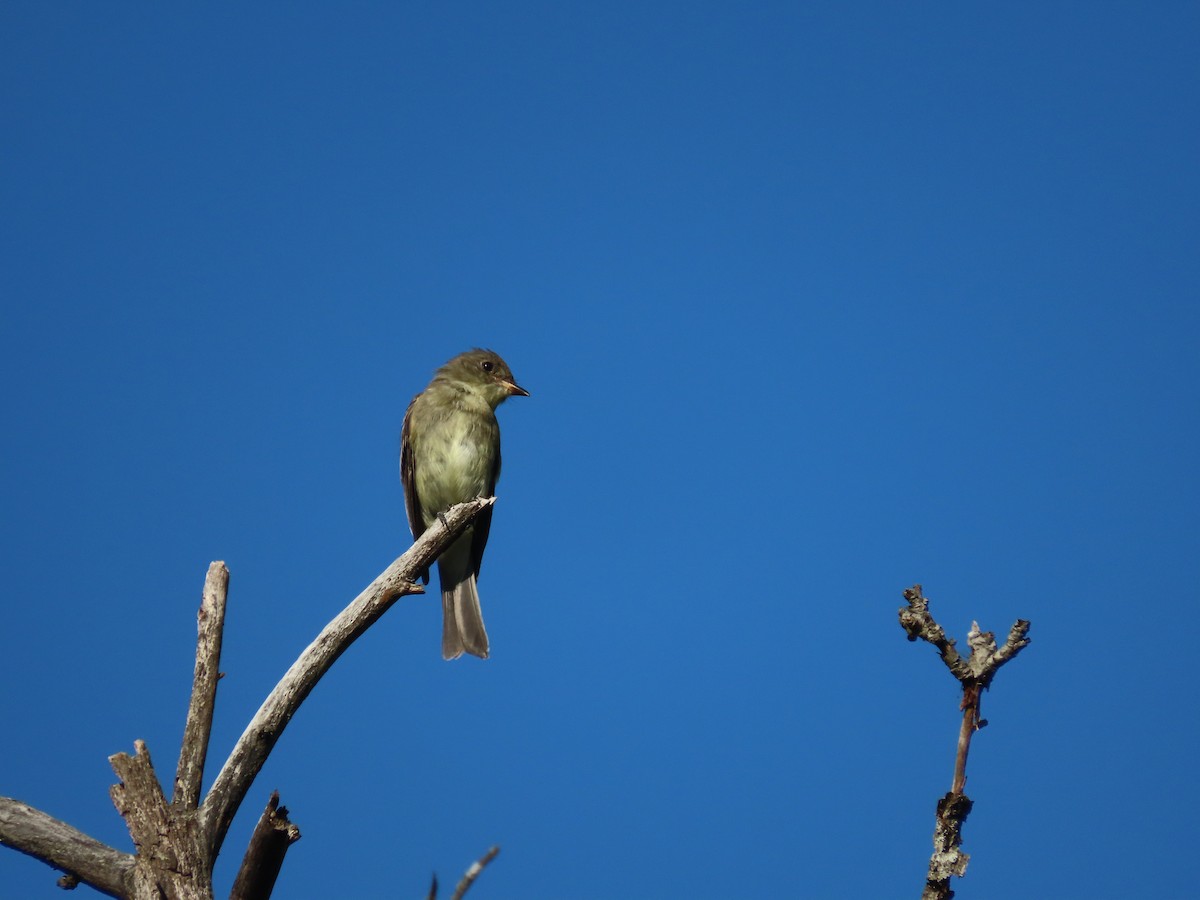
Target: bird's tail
x=462, y=620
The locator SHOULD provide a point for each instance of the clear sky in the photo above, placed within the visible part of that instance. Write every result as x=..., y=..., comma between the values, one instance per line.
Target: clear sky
x=815, y=301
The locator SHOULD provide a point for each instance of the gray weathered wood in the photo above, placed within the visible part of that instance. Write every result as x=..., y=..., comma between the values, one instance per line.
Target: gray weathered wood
x=178, y=842
x=210, y=627
x=173, y=858
x=975, y=673
x=252, y=748
x=84, y=858
x=269, y=843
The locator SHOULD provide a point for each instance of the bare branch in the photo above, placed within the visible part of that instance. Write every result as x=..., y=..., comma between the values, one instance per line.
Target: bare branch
x=210, y=625
x=139, y=797
x=1017, y=640
x=947, y=859
x=67, y=849
x=177, y=843
x=971, y=723
x=472, y=873
x=172, y=856
x=918, y=623
x=272, y=836
x=975, y=673
x=256, y=742
x=985, y=657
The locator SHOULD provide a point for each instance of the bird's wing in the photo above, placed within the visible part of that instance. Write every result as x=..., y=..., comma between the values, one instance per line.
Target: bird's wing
x=483, y=522
x=408, y=479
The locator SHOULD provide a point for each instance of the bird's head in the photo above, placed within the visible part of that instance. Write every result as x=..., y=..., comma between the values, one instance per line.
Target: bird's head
x=485, y=372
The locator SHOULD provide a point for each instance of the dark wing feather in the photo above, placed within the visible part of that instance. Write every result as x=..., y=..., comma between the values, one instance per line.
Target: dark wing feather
x=408, y=479
x=483, y=521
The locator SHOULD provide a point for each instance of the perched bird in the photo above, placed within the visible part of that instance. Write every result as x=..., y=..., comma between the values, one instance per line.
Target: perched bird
x=450, y=453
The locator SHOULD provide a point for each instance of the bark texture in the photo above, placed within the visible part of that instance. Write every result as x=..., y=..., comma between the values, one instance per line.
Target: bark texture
x=975, y=673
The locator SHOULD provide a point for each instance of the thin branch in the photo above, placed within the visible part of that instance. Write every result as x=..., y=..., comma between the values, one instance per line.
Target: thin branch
x=248, y=756
x=917, y=622
x=472, y=873
x=971, y=723
x=985, y=659
x=210, y=624
x=67, y=849
x=272, y=836
x=975, y=673
x=1017, y=640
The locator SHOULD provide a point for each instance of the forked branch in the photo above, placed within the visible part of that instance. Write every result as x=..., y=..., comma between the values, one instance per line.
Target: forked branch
x=975, y=673
x=178, y=842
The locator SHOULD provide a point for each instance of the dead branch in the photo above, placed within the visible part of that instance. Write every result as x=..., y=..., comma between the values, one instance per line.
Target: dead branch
x=975, y=673
x=250, y=753
x=177, y=843
x=56, y=843
x=472, y=873
x=948, y=859
x=272, y=836
x=172, y=854
x=210, y=625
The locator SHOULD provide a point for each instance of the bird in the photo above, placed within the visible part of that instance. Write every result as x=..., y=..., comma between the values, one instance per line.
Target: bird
x=450, y=453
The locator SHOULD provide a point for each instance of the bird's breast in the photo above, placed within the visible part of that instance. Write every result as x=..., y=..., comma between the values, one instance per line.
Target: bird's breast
x=456, y=461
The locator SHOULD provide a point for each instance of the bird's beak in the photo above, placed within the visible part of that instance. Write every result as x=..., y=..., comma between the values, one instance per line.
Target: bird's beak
x=514, y=390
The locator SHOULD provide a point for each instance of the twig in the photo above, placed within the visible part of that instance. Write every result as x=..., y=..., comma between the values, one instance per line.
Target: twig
x=210, y=625
x=970, y=724
x=975, y=673
x=985, y=659
x=472, y=873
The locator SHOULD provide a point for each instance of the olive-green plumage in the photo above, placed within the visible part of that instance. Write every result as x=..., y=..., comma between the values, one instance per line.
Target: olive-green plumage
x=450, y=453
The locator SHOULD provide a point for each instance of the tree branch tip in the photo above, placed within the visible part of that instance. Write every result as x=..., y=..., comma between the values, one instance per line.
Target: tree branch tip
x=474, y=871
x=139, y=749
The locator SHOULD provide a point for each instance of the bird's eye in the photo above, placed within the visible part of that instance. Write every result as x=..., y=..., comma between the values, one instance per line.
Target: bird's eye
x=488, y=365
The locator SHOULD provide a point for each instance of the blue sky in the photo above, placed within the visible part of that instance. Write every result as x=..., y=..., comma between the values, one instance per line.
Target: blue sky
x=814, y=302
